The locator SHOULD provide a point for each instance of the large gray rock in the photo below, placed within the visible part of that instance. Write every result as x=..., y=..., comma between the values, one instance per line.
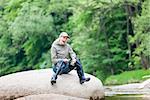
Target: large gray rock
x=37, y=82
x=49, y=97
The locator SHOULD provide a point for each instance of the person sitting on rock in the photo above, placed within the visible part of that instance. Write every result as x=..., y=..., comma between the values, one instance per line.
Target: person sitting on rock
x=64, y=59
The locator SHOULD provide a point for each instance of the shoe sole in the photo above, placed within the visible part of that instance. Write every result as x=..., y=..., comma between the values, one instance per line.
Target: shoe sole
x=84, y=81
x=53, y=82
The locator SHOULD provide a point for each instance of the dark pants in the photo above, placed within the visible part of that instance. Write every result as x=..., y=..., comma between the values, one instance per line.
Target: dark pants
x=64, y=68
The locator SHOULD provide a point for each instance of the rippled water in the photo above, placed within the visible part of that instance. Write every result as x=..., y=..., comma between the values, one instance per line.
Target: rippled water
x=127, y=97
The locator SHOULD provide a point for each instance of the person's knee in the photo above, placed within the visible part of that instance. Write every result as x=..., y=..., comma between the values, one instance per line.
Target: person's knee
x=54, y=69
x=59, y=63
x=57, y=66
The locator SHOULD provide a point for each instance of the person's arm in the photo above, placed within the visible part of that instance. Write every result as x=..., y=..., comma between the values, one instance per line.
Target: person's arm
x=72, y=53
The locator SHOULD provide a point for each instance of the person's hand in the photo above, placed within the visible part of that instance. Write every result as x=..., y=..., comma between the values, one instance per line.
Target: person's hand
x=65, y=60
x=74, y=60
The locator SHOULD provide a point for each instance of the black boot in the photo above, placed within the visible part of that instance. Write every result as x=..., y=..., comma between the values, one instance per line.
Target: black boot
x=53, y=79
x=84, y=80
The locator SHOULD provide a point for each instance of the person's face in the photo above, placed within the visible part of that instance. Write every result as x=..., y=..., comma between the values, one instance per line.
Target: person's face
x=63, y=39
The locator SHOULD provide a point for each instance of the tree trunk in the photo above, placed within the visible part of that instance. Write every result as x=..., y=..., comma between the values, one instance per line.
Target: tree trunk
x=144, y=61
x=128, y=27
x=108, y=53
x=103, y=29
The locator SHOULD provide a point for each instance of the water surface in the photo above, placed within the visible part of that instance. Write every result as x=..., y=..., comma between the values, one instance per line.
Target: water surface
x=128, y=97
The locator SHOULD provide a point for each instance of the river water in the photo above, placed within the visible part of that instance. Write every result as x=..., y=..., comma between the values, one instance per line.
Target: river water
x=127, y=97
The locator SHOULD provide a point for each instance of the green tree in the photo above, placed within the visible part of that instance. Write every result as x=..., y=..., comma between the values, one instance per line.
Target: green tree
x=100, y=36
x=141, y=55
x=28, y=28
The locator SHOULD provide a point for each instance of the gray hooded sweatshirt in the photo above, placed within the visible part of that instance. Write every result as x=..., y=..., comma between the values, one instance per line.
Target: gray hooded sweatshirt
x=60, y=52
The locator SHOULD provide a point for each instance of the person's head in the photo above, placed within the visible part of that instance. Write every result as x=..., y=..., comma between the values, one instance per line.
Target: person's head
x=63, y=37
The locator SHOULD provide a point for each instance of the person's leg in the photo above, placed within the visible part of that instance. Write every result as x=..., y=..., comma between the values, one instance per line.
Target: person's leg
x=65, y=69
x=57, y=70
x=80, y=72
x=60, y=68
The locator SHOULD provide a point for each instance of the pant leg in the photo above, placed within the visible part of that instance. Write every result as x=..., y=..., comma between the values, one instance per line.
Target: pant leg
x=79, y=69
x=57, y=67
x=61, y=68
x=65, y=68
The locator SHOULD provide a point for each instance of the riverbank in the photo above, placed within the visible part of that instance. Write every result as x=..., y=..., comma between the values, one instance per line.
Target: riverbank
x=128, y=77
x=135, y=91
x=126, y=89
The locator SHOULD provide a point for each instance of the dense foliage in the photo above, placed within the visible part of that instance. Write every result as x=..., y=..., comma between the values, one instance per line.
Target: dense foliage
x=109, y=36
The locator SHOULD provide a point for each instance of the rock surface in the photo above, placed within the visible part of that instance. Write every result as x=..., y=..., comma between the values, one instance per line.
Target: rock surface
x=37, y=82
x=145, y=84
x=49, y=97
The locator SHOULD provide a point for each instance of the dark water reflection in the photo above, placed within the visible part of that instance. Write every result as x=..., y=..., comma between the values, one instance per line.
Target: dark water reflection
x=131, y=97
